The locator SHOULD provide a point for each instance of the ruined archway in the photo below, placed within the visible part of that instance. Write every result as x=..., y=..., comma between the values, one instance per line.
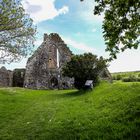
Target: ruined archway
x=54, y=82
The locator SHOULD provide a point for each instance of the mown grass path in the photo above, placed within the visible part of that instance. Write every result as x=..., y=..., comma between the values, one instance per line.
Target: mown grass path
x=109, y=112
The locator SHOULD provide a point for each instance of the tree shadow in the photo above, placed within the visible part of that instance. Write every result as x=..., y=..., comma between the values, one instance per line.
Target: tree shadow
x=70, y=94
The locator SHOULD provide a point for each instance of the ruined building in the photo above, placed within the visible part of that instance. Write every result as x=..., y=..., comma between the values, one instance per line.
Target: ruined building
x=43, y=69
x=6, y=77
x=10, y=78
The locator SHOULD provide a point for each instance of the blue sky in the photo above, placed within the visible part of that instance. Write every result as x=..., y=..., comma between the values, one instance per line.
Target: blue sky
x=78, y=27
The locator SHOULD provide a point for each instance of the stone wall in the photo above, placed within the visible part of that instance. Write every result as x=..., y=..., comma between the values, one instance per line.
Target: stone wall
x=105, y=75
x=6, y=77
x=43, y=69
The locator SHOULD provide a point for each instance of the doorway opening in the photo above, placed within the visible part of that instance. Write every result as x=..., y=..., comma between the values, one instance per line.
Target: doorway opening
x=54, y=82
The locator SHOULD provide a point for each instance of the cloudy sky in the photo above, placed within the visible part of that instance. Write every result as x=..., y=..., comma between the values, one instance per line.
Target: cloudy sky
x=78, y=27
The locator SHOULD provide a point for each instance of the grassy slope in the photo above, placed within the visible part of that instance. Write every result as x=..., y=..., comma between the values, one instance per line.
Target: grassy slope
x=111, y=111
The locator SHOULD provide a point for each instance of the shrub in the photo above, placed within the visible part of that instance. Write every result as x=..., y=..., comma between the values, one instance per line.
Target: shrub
x=131, y=78
x=126, y=79
x=84, y=67
x=118, y=77
x=114, y=77
x=138, y=79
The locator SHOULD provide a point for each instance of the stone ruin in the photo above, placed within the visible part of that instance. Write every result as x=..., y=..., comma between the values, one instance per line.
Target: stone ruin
x=6, y=77
x=10, y=78
x=43, y=69
x=106, y=75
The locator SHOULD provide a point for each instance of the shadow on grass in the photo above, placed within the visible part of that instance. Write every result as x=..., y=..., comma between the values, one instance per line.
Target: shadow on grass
x=71, y=94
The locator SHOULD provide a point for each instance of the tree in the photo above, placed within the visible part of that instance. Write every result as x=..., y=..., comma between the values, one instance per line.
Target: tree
x=16, y=31
x=121, y=25
x=84, y=67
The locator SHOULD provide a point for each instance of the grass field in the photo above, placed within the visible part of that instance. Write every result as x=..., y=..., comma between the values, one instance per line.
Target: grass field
x=109, y=112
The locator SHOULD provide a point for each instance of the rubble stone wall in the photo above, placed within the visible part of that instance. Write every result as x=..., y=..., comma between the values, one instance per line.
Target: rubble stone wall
x=6, y=77
x=43, y=69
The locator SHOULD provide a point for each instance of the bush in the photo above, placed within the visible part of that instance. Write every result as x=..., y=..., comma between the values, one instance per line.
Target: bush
x=138, y=79
x=114, y=77
x=84, y=67
x=118, y=77
x=126, y=79
x=131, y=78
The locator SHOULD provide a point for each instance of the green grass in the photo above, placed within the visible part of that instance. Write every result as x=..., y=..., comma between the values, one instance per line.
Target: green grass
x=109, y=112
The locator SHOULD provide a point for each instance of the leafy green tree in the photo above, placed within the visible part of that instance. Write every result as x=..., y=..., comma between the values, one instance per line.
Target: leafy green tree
x=16, y=31
x=121, y=25
x=84, y=67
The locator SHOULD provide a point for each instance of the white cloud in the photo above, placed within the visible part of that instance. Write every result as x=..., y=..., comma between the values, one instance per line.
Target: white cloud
x=126, y=61
x=80, y=46
x=88, y=14
x=94, y=30
x=63, y=10
x=41, y=10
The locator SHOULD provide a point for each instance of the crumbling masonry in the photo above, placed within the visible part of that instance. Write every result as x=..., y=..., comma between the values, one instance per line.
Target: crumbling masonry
x=43, y=69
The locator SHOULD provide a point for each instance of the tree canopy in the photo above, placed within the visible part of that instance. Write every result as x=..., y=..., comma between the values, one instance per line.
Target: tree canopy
x=16, y=31
x=84, y=67
x=121, y=25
